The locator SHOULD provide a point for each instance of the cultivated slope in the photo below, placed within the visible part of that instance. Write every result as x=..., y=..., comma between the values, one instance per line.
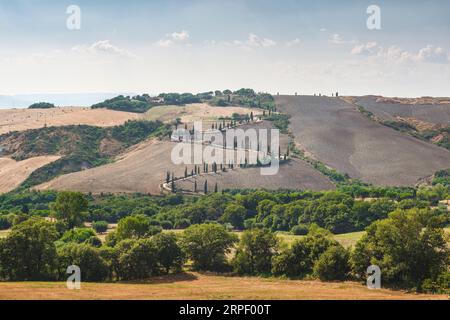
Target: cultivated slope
x=388, y=110
x=337, y=134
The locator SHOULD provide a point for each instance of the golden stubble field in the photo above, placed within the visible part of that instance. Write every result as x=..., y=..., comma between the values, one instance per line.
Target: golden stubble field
x=206, y=287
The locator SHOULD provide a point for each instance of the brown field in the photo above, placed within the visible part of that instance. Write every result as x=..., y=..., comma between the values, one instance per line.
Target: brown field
x=206, y=287
x=423, y=112
x=24, y=119
x=195, y=112
x=337, y=134
x=13, y=173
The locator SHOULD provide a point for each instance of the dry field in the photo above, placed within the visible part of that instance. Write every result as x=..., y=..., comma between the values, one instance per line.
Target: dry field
x=206, y=287
x=438, y=114
x=24, y=119
x=195, y=112
x=13, y=173
x=337, y=134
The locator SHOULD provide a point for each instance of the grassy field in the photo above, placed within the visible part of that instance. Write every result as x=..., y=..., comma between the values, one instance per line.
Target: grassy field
x=204, y=287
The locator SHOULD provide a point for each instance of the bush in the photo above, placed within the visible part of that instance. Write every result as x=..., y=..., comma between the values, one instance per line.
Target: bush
x=167, y=225
x=300, y=230
x=207, y=245
x=4, y=223
x=94, y=242
x=78, y=235
x=93, y=267
x=135, y=226
x=182, y=224
x=255, y=251
x=100, y=226
x=235, y=215
x=333, y=264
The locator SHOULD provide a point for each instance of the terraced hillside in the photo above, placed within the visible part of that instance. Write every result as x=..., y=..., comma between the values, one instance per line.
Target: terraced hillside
x=336, y=133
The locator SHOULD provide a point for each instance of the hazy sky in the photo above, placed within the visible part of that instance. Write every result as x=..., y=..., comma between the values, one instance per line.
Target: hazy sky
x=275, y=46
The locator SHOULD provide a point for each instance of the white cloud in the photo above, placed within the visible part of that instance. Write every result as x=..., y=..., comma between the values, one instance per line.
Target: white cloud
x=336, y=39
x=180, y=36
x=323, y=29
x=364, y=49
x=103, y=47
x=428, y=54
x=433, y=54
x=174, y=38
x=256, y=41
x=293, y=43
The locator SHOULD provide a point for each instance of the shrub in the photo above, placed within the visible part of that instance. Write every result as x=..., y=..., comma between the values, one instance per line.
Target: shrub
x=333, y=264
x=300, y=230
x=182, y=224
x=78, y=235
x=94, y=242
x=100, y=226
x=4, y=223
x=167, y=225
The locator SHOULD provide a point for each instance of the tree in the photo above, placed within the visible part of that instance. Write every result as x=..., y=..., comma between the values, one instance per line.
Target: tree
x=206, y=245
x=235, y=215
x=135, y=226
x=195, y=186
x=298, y=260
x=137, y=259
x=216, y=188
x=28, y=253
x=70, y=207
x=410, y=248
x=169, y=254
x=93, y=267
x=255, y=251
x=205, y=187
x=333, y=264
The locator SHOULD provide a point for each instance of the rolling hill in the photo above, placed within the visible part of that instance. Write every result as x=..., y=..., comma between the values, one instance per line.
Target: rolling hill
x=337, y=134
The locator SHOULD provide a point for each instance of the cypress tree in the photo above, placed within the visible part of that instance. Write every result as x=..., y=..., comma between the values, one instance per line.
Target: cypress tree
x=205, y=187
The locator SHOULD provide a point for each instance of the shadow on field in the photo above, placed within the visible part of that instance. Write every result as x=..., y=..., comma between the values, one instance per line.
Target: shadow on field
x=166, y=279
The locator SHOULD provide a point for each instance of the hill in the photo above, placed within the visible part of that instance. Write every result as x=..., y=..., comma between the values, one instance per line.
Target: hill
x=337, y=134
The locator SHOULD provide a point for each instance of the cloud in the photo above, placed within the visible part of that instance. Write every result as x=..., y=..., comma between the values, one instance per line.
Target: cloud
x=323, y=29
x=428, y=54
x=256, y=41
x=180, y=36
x=433, y=54
x=364, y=49
x=293, y=43
x=336, y=39
x=174, y=38
x=103, y=47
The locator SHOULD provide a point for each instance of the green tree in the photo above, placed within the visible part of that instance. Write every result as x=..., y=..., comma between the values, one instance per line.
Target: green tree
x=235, y=215
x=135, y=226
x=333, y=264
x=207, y=245
x=29, y=253
x=136, y=259
x=169, y=254
x=93, y=267
x=70, y=207
x=410, y=247
x=255, y=251
x=78, y=235
x=100, y=226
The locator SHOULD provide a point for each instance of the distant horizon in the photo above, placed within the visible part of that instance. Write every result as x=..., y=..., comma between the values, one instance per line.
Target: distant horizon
x=75, y=99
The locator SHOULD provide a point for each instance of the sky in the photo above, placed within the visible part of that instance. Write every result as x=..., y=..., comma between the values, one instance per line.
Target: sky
x=201, y=45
